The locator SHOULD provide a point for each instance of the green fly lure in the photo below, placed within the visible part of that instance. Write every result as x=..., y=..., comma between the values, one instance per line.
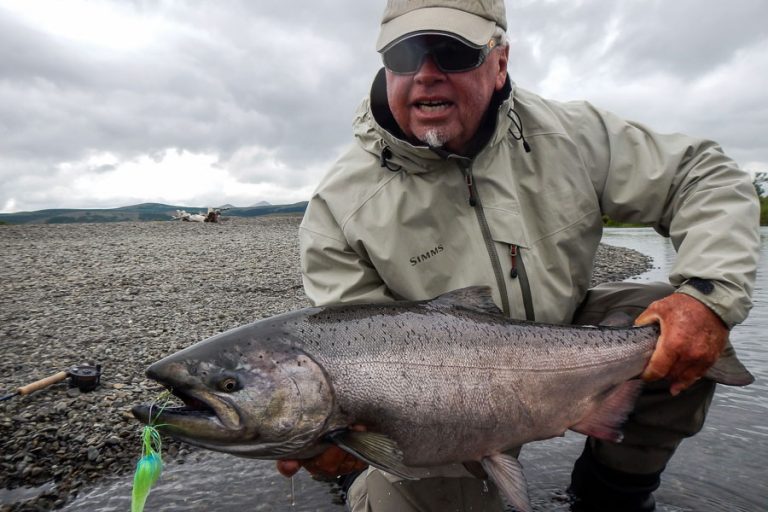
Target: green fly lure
x=150, y=464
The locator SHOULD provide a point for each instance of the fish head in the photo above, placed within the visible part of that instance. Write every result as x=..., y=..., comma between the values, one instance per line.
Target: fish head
x=251, y=391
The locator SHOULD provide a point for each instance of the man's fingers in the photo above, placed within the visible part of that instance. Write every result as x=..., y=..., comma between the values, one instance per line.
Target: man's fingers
x=333, y=462
x=647, y=317
x=660, y=364
x=685, y=380
x=682, y=378
x=681, y=386
x=330, y=463
x=692, y=337
x=350, y=464
x=288, y=468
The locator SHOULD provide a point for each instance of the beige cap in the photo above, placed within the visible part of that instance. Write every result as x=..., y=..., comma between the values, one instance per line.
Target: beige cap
x=472, y=20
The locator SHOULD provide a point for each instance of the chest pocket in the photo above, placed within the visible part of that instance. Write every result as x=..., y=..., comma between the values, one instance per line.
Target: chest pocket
x=506, y=227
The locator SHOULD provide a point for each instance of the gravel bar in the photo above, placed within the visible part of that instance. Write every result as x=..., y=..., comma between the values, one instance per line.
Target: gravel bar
x=123, y=295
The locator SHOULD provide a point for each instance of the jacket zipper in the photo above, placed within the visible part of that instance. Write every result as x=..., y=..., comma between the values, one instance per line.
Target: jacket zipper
x=518, y=271
x=513, y=257
x=474, y=202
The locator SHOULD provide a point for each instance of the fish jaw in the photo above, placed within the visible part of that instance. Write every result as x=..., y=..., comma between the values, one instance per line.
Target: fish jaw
x=203, y=429
x=205, y=418
x=243, y=395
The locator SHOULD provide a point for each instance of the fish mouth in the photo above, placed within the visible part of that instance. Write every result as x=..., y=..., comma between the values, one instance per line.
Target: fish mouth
x=203, y=415
x=209, y=421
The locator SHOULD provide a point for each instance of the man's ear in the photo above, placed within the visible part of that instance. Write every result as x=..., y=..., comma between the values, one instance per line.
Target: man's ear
x=501, y=77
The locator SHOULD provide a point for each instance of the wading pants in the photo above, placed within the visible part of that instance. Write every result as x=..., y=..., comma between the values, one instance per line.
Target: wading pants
x=652, y=432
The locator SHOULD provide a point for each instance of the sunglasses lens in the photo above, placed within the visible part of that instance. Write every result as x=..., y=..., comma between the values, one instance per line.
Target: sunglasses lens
x=450, y=55
x=404, y=57
x=454, y=56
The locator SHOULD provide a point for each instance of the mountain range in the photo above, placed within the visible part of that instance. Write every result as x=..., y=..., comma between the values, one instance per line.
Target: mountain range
x=140, y=212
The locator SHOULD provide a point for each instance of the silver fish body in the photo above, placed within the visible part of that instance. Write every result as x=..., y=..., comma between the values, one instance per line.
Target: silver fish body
x=443, y=381
x=487, y=384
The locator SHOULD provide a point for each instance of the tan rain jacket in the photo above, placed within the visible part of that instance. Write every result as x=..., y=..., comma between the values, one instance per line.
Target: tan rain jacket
x=396, y=221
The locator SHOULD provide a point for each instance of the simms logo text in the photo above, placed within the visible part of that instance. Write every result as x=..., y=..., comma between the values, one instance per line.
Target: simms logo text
x=415, y=260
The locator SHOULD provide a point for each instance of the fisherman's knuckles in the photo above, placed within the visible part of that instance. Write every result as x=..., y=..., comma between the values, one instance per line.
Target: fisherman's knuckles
x=693, y=337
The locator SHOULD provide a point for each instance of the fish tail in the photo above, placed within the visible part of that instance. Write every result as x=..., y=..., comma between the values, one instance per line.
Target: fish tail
x=729, y=370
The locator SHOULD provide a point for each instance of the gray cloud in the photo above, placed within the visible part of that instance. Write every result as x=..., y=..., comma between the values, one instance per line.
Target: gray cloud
x=270, y=87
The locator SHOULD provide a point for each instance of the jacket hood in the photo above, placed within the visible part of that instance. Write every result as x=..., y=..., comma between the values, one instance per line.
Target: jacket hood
x=377, y=132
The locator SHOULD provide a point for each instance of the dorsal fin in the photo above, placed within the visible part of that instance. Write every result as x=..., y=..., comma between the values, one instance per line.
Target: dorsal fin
x=478, y=298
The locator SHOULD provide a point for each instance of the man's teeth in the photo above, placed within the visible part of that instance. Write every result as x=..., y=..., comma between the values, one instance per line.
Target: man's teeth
x=432, y=106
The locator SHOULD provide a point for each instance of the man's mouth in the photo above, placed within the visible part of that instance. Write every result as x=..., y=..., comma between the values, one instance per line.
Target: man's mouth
x=430, y=106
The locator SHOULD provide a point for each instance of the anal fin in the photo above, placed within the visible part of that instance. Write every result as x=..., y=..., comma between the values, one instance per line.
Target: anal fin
x=507, y=473
x=605, y=420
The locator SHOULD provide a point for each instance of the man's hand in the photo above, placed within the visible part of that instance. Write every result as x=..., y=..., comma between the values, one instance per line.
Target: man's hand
x=692, y=338
x=331, y=463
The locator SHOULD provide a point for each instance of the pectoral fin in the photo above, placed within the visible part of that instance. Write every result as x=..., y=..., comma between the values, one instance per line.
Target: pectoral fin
x=605, y=420
x=377, y=450
x=507, y=473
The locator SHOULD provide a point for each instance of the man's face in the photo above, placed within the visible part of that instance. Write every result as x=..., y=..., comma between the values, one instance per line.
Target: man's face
x=445, y=109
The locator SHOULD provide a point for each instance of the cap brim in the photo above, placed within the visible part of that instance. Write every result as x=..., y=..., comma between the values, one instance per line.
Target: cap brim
x=474, y=29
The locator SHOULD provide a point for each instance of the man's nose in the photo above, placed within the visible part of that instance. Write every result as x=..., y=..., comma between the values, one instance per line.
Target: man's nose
x=428, y=71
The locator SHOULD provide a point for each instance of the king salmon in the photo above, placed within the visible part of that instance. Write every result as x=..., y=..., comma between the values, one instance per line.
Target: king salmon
x=449, y=380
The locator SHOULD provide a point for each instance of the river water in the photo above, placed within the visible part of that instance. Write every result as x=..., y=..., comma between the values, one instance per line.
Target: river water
x=722, y=469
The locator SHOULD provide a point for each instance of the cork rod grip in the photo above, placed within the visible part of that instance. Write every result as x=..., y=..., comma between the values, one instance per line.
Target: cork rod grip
x=42, y=383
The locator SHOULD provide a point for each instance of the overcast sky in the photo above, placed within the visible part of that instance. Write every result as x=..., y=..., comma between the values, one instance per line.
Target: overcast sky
x=202, y=103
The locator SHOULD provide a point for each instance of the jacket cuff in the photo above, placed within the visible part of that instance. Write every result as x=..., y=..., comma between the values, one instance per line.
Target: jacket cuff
x=716, y=295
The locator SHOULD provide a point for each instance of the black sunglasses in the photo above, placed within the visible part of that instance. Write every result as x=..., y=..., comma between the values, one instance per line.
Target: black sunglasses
x=449, y=55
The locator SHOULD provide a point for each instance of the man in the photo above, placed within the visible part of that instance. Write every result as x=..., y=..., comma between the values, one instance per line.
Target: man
x=460, y=178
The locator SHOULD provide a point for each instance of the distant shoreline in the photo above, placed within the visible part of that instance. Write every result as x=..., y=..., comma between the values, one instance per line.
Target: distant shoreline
x=145, y=212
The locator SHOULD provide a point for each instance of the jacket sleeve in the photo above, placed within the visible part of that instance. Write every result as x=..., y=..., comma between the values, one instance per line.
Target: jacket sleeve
x=688, y=190
x=332, y=271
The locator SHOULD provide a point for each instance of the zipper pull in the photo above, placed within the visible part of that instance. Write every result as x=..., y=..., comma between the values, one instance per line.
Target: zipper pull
x=513, y=255
x=466, y=171
x=471, y=188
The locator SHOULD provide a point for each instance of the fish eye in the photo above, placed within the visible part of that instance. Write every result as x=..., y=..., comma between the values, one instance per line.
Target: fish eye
x=228, y=385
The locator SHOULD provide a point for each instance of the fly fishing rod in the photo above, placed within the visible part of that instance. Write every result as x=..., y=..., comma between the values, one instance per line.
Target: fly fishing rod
x=85, y=377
